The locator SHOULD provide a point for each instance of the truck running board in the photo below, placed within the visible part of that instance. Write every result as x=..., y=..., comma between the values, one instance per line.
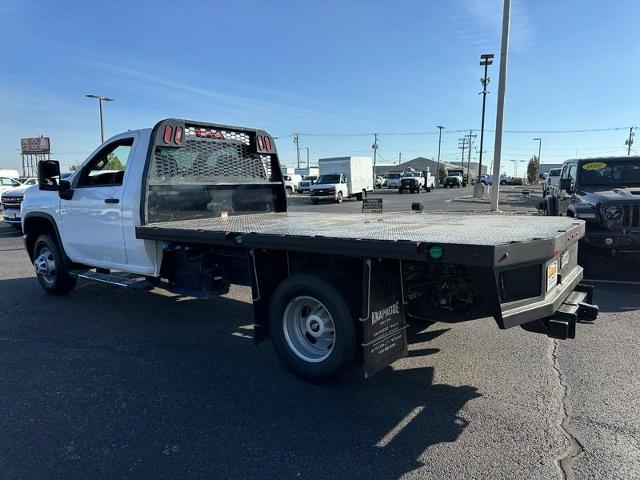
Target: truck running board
x=117, y=279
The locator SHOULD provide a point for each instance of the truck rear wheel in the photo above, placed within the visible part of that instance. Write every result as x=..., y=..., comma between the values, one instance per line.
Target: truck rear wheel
x=50, y=268
x=312, y=328
x=288, y=190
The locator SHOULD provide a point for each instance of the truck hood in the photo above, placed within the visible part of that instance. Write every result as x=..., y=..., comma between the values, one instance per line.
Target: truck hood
x=17, y=191
x=618, y=194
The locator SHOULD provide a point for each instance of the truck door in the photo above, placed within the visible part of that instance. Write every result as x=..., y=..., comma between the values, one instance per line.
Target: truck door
x=565, y=198
x=91, y=220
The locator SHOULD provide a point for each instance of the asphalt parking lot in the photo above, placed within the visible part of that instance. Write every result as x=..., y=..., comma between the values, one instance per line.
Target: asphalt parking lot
x=109, y=384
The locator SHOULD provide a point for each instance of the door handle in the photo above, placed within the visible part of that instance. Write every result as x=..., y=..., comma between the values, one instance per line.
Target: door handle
x=111, y=200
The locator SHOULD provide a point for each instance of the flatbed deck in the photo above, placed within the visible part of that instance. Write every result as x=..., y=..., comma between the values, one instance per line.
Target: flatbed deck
x=466, y=239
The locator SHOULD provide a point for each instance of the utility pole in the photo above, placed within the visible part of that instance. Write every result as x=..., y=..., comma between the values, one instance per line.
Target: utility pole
x=502, y=85
x=307, y=149
x=486, y=59
x=375, y=154
x=100, y=100
x=539, y=150
x=439, y=127
x=462, y=144
x=399, y=158
x=629, y=141
x=296, y=140
x=471, y=137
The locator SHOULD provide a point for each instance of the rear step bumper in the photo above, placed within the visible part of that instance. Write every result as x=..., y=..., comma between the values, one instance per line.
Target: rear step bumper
x=577, y=308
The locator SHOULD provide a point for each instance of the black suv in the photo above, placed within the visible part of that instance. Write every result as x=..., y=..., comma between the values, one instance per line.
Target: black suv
x=605, y=193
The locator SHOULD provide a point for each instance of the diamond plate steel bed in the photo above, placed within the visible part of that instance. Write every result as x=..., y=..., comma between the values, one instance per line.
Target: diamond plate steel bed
x=465, y=239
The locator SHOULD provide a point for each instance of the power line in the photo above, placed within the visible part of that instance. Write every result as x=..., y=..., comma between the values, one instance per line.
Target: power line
x=448, y=132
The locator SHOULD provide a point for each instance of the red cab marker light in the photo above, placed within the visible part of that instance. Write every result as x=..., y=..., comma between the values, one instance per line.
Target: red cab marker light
x=178, y=135
x=267, y=143
x=260, y=142
x=168, y=131
x=556, y=253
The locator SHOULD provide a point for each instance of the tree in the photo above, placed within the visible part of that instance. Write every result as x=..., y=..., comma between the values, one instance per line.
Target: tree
x=442, y=173
x=533, y=168
x=73, y=168
x=113, y=163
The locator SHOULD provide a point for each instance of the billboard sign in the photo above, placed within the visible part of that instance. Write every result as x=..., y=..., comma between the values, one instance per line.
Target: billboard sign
x=35, y=145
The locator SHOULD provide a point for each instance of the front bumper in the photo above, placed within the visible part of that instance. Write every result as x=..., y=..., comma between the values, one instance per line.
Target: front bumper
x=600, y=240
x=11, y=216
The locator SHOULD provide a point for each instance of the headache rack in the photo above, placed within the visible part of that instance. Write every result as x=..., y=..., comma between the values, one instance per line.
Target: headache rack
x=198, y=170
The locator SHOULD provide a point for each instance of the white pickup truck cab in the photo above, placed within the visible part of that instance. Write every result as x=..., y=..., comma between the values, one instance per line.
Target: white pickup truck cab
x=96, y=222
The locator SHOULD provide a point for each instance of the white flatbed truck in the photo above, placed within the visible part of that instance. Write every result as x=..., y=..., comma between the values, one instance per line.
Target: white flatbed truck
x=198, y=206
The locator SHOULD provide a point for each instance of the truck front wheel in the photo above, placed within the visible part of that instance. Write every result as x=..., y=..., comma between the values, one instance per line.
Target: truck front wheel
x=312, y=328
x=50, y=268
x=339, y=197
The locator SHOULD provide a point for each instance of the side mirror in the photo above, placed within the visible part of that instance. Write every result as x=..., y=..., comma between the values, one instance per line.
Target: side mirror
x=566, y=184
x=48, y=174
x=65, y=191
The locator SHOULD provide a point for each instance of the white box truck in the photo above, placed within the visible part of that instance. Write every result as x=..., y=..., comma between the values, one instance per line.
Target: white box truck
x=343, y=177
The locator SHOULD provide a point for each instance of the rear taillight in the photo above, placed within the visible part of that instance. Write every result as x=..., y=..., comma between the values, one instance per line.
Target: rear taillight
x=178, y=135
x=267, y=143
x=168, y=131
x=260, y=142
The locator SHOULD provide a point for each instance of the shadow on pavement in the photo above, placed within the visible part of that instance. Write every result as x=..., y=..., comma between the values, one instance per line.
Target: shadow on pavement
x=109, y=384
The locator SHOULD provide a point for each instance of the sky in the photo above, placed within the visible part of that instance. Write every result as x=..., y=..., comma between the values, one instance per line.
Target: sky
x=334, y=71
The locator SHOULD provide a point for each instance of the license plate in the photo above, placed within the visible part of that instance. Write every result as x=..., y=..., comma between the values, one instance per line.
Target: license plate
x=552, y=275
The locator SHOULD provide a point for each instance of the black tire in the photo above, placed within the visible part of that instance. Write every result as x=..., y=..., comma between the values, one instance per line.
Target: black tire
x=585, y=255
x=58, y=281
x=359, y=197
x=288, y=190
x=399, y=190
x=344, y=349
x=315, y=201
x=551, y=206
x=339, y=197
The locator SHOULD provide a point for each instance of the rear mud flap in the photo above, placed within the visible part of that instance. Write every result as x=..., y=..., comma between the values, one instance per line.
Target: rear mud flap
x=384, y=328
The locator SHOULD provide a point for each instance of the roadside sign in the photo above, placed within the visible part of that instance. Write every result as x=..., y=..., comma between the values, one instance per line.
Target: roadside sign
x=372, y=205
x=35, y=145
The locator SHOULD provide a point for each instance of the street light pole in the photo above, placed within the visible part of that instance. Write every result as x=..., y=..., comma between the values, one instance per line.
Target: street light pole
x=439, y=127
x=502, y=85
x=307, y=149
x=100, y=100
x=539, y=150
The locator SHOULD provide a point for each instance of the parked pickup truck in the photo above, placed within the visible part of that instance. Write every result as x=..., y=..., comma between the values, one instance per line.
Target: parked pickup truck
x=199, y=206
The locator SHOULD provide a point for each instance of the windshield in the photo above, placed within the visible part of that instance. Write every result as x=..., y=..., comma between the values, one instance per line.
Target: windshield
x=9, y=182
x=412, y=174
x=394, y=175
x=323, y=179
x=609, y=173
x=554, y=172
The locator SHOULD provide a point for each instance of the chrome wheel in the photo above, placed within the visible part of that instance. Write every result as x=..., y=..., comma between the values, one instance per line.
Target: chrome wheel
x=45, y=266
x=309, y=329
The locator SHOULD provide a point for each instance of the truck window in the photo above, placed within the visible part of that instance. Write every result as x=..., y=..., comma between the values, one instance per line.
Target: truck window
x=572, y=172
x=108, y=166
